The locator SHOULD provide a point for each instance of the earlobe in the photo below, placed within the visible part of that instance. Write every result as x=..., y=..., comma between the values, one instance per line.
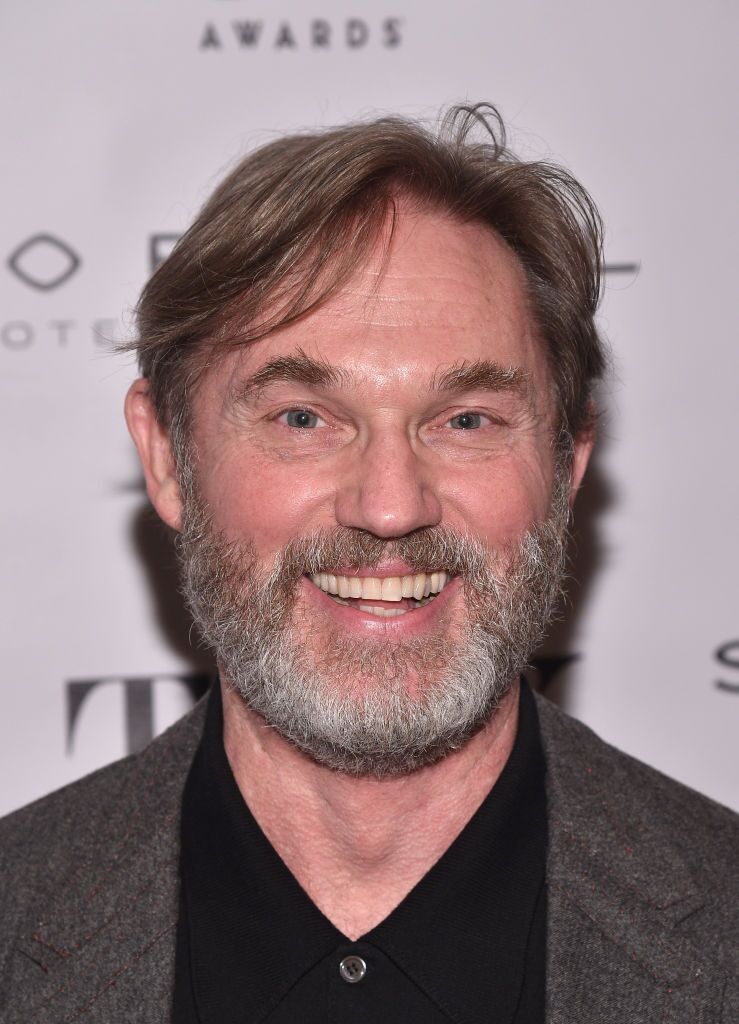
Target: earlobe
x=583, y=448
x=155, y=452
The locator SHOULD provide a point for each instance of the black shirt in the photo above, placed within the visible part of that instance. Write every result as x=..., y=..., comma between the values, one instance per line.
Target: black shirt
x=465, y=945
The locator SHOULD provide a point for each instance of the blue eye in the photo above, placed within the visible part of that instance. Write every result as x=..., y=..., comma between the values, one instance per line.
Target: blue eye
x=301, y=418
x=466, y=421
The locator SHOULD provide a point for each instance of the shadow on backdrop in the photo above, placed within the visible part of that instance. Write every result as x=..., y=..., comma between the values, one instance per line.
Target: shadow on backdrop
x=154, y=545
x=586, y=556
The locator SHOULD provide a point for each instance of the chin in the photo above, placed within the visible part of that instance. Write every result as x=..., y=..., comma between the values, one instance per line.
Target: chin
x=365, y=710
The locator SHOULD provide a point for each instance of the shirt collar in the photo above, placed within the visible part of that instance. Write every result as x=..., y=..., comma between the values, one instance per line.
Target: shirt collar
x=461, y=933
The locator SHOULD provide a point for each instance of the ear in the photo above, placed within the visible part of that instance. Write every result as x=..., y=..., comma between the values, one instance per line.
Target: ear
x=580, y=457
x=153, y=445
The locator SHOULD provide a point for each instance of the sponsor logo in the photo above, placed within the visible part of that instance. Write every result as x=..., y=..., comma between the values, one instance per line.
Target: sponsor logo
x=283, y=35
x=21, y=335
x=621, y=268
x=727, y=656
x=138, y=702
x=160, y=246
x=44, y=262
x=625, y=273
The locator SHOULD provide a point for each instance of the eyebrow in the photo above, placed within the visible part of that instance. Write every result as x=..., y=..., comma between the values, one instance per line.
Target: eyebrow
x=298, y=369
x=482, y=375
x=474, y=375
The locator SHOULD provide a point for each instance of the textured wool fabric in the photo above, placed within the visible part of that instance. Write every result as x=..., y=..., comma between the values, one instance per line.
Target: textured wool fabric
x=643, y=892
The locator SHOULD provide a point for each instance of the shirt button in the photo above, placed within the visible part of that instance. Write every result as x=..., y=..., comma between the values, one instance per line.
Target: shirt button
x=352, y=969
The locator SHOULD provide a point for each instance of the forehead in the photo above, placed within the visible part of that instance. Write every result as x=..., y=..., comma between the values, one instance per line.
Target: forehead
x=436, y=293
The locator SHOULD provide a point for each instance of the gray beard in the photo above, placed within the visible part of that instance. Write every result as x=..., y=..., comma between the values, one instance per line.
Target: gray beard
x=347, y=703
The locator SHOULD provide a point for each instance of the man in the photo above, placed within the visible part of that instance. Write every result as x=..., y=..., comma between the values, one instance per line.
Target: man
x=365, y=408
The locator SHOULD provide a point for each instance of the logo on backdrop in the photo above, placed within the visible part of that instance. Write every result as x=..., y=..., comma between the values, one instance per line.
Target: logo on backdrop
x=44, y=262
x=296, y=35
x=138, y=694
x=21, y=335
x=160, y=246
x=727, y=656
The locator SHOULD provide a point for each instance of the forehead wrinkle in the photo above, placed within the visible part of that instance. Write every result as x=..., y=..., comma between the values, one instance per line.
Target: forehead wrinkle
x=392, y=312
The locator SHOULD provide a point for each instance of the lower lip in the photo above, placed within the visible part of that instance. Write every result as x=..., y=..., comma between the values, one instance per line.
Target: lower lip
x=352, y=618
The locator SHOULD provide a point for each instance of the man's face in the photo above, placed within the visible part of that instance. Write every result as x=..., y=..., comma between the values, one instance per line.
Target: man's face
x=404, y=428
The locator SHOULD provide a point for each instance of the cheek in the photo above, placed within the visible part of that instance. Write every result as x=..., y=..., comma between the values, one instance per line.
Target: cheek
x=502, y=500
x=268, y=502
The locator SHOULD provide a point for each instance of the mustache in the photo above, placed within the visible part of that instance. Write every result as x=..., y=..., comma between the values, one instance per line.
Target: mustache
x=435, y=548
x=484, y=571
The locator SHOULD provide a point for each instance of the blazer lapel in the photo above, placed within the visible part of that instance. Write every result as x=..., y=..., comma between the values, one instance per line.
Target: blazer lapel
x=104, y=949
x=617, y=894
x=122, y=957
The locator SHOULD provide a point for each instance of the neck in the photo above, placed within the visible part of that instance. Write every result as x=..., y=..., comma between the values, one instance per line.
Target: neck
x=359, y=845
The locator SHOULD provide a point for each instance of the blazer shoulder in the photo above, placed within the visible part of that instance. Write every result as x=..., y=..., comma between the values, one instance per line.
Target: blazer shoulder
x=581, y=754
x=639, y=857
x=593, y=771
x=45, y=842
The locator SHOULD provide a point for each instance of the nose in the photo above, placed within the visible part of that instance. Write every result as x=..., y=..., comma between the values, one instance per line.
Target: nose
x=387, y=490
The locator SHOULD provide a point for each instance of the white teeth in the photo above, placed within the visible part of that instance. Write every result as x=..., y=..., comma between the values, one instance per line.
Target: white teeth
x=372, y=588
x=388, y=588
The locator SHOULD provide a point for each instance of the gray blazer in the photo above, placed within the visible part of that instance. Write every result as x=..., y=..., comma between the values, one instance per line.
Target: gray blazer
x=643, y=911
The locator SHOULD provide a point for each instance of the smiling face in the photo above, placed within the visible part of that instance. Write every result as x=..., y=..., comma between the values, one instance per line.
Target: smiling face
x=418, y=395
x=376, y=483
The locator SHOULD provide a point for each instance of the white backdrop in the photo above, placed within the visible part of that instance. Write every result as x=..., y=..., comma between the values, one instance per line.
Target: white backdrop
x=117, y=120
